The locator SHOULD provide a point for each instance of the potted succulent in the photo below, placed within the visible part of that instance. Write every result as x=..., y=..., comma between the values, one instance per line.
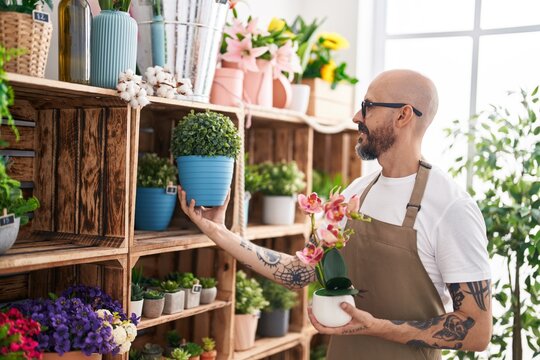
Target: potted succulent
x=154, y=301
x=190, y=285
x=152, y=352
x=174, y=340
x=252, y=184
x=180, y=354
x=209, y=349
x=205, y=146
x=249, y=302
x=137, y=300
x=209, y=290
x=274, y=321
x=280, y=184
x=174, y=297
x=194, y=350
x=156, y=193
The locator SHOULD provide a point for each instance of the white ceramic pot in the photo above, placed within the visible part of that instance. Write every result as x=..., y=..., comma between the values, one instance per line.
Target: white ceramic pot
x=279, y=210
x=327, y=309
x=136, y=307
x=193, y=299
x=300, y=98
x=174, y=302
x=245, y=328
x=8, y=235
x=208, y=295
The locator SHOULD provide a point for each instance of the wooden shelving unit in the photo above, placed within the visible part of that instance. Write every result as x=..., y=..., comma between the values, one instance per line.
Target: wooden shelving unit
x=78, y=155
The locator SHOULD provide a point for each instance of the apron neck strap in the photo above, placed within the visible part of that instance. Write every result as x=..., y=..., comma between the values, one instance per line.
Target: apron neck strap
x=413, y=207
x=366, y=190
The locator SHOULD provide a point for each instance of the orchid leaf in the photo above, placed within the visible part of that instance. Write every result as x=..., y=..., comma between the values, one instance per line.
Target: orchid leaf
x=339, y=283
x=333, y=265
x=327, y=292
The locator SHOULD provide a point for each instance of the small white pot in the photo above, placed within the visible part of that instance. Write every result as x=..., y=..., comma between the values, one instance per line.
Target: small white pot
x=174, y=302
x=279, y=210
x=193, y=299
x=327, y=310
x=136, y=307
x=208, y=295
x=300, y=98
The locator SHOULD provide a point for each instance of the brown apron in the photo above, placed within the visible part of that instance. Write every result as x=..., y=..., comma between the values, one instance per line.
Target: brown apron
x=383, y=259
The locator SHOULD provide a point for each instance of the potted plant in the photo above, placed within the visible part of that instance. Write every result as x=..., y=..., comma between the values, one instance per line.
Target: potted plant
x=205, y=145
x=154, y=302
x=155, y=203
x=209, y=290
x=16, y=18
x=249, y=302
x=274, y=321
x=174, y=340
x=209, y=349
x=322, y=251
x=180, y=354
x=152, y=352
x=252, y=184
x=190, y=285
x=137, y=299
x=280, y=184
x=18, y=336
x=194, y=350
x=174, y=297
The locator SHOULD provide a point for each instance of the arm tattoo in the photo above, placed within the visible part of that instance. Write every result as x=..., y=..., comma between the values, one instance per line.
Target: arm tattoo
x=246, y=245
x=293, y=275
x=354, y=330
x=421, y=343
x=457, y=295
x=454, y=328
x=479, y=291
x=422, y=325
x=268, y=257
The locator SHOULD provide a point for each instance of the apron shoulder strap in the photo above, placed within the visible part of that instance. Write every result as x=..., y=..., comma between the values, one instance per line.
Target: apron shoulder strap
x=366, y=190
x=413, y=207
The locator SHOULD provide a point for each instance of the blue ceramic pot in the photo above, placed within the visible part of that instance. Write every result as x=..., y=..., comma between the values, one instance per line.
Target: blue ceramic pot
x=113, y=47
x=206, y=179
x=154, y=209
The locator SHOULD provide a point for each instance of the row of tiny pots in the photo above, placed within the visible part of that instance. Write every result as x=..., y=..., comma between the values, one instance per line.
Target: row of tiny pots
x=279, y=183
x=177, y=349
x=205, y=146
x=151, y=298
x=262, y=307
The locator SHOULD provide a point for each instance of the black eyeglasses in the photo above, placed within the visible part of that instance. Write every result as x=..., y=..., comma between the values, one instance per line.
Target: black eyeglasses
x=366, y=104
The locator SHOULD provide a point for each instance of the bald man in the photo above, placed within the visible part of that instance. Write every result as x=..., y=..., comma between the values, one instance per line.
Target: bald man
x=421, y=262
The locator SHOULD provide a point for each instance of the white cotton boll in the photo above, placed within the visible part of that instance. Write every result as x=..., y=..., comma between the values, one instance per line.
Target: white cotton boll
x=131, y=331
x=134, y=103
x=141, y=92
x=150, y=71
x=125, y=347
x=162, y=77
x=122, y=86
x=129, y=74
x=161, y=91
x=152, y=80
x=124, y=95
x=131, y=89
x=119, y=335
x=148, y=88
x=143, y=101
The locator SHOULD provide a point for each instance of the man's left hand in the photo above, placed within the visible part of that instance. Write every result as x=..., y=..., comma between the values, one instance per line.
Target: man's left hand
x=362, y=323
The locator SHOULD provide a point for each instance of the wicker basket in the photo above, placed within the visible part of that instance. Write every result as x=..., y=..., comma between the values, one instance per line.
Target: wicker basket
x=20, y=31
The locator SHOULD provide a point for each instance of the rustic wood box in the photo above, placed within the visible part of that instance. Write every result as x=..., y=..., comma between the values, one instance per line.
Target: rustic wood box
x=330, y=106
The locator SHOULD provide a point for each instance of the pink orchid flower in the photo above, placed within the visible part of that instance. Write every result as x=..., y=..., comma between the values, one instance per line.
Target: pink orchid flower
x=311, y=204
x=236, y=28
x=311, y=254
x=335, y=209
x=285, y=59
x=353, y=206
x=329, y=236
x=243, y=53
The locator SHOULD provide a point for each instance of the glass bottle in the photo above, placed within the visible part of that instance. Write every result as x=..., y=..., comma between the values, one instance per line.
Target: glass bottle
x=74, y=20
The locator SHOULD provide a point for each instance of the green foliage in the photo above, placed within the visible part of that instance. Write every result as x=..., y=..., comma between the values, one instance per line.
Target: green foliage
x=119, y=5
x=205, y=134
x=137, y=292
x=26, y=6
x=334, y=276
x=137, y=276
x=506, y=167
x=278, y=296
x=152, y=349
x=173, y=339
x=180, y=354
x=324, y=182
x=208, y=282
x=252, y=177
x=155, y=172
x=135, y=354
x=185, y=280
x=169, y=286
x=6, y=91
x=208, y=344
x=318, y=353
x=193, y=349
x=153, y=295
x=249, y=296
x=281, y=178
x=305, y=36
x=11, y=197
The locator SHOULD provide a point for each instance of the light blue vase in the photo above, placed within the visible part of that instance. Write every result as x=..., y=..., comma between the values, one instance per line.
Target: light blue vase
x=113, y=47
x=154, y=209
x=206, y=179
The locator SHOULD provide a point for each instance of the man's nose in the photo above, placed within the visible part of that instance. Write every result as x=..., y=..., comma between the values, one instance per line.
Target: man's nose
x=357, y=118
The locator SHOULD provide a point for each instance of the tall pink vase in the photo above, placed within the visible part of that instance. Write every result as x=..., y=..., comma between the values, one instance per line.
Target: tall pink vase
x=258, y=85
x=227, y=87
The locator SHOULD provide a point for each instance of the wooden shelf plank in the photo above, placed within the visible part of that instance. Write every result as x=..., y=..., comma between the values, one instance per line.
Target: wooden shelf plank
x=146, y=323
x=153, y=242
x=271, y=231
x=265, y=347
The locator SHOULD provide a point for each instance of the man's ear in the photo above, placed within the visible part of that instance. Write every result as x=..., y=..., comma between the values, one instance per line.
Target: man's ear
x=405, y=117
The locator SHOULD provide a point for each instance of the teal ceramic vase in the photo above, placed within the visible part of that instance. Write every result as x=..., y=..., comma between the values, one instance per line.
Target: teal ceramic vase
x=113, y=47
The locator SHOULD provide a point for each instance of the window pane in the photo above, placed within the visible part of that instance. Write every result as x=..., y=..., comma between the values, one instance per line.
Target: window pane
x=417, y=16
x=507, y=63
x=447, y=61
x=504, y=13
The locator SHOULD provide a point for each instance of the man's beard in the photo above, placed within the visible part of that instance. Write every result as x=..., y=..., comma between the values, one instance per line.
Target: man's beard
x=375, y=142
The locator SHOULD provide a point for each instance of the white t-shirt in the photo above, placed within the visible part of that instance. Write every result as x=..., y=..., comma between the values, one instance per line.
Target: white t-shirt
x=451, y=233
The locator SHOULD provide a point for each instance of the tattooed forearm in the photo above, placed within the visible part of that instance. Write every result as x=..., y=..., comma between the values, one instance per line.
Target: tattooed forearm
x=454, y=328
x=421, y=343
x=354, y=330
x=246, y=245
x=422, y=325
x=457, y=295
x=480, y=290
x=268, y=257
x=294, y=275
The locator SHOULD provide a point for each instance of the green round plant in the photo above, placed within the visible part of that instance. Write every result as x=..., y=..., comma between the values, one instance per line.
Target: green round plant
x=155, y=172
x=208, y=282
x=252, y=177
x=208, y=344
x=278, y=297
x=180, y=354
x=169, y=286
x=249, y=295
x=11, y=197
x=193, y=349
x=282, y=179
x=205, y=134
x=153, y=295
x=137, y=292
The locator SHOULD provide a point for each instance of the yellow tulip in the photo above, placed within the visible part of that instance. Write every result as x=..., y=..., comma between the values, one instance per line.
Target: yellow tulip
x=276, y=25
x=328, y=70
x=334, y=41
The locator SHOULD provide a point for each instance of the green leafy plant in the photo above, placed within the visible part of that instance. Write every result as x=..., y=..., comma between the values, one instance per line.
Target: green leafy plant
x=180, y=354
x=282, y=178
x=249, y=295
x=174, y=339
x=155, y=172
x=278, y=296
x=323, y=183
x=205, y=134
x=25, y=7
x=137, y=276
x=11, y=197
x=7, y=96
x=208, y=344
x=506, y=163
x=208, y=282
x=137, y=292
x=169, y=286
x=193, y=349
x=153, y=295
x=252, y=177
x=135, y=354
x=185, y=280
x=305, y=36
x=118, y=5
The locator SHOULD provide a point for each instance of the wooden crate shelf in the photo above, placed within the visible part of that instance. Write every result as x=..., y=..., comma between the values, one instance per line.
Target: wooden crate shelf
x=265, y=347
x=146, y=323
x=153, y=242
x=256, y=232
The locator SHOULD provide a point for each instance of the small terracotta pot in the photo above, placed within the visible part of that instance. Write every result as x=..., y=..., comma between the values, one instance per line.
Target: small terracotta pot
x=71, y=355
x=209, y=355
x=245, y=326
x=228, y=86
x=153, y=308
x=282, y=92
